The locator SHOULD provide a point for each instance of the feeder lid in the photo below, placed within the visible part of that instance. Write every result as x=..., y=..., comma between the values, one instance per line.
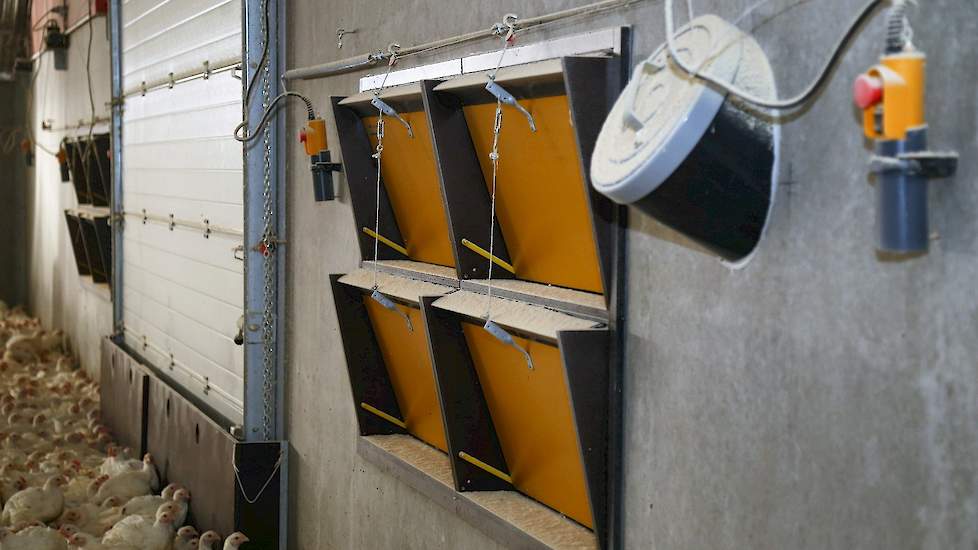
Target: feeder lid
x=663, y=111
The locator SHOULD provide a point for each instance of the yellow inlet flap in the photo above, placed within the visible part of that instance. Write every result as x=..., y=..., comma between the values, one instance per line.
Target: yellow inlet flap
x=405, y=353
x=411, y=180
x=541, y=200
x=532, y=414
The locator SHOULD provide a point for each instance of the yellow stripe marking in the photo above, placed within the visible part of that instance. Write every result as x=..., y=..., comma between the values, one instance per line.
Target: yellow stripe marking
x=385, y=416
x=374, y=235
x=485, y=254
x=482, y=465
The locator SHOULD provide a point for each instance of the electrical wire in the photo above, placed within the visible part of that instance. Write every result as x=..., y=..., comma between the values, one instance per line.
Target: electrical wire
x=264, y=55
x=790, y=102
x=265, y=117
x=310, y=112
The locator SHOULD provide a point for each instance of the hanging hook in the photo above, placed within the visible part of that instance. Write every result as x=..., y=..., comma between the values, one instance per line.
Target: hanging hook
x=340, y=33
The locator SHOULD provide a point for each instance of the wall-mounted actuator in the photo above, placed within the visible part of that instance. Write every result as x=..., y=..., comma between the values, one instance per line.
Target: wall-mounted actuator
x=891, y=96
x=313, y=137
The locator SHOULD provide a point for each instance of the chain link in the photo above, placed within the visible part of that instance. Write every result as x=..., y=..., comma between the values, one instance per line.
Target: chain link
x=269, y=261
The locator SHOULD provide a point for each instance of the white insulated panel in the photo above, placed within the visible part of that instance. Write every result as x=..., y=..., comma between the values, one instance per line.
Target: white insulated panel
x=159, y=38
x=183, y=292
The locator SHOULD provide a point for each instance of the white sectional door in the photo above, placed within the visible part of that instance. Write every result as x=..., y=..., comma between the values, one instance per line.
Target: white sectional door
x=182, y=286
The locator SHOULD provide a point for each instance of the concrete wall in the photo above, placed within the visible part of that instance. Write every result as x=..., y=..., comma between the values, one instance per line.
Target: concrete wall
x=57, y=294
x=821, y=397
x=13, y=198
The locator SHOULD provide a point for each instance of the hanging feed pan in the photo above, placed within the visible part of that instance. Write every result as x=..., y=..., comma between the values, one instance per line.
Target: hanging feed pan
x=684, y=153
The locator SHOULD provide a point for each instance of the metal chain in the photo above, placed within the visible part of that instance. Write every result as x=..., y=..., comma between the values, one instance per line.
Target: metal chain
x=268, y=244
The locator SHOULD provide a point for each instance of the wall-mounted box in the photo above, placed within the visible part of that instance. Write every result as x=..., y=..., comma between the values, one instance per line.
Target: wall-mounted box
x=77, y=243
x=542, y=429
x=553, y=229
x=387, y=355
x=91, y=229
x=90, y=169
x=540, y=439
x=412, y=211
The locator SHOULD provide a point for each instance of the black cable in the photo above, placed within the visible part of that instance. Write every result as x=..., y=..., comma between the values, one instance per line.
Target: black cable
x=264, y=119
x=261, y=61
x=791, y=102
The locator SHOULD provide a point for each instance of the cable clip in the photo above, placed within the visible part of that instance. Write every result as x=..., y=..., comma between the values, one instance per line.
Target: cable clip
x=207, y=70
x=389, y=111
x=172, y=82
x=142, y=88
x=172, y=222
x=207, y=228
x=508, y=98
x=145, y=217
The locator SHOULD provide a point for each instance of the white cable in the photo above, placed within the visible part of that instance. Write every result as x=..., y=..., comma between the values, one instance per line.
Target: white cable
x=790, y=102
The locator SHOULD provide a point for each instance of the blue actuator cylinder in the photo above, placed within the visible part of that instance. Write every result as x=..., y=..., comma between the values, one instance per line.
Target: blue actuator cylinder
x=901, y=210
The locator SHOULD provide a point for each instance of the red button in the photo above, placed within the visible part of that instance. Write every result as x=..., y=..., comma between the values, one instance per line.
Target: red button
x=302, y=136
x=867, y=91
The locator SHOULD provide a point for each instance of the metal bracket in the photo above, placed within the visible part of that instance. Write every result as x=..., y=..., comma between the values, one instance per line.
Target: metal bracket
x=929, y=164
x=340, y=33
x=502, y=95
x=391, y=112
x=207, y=228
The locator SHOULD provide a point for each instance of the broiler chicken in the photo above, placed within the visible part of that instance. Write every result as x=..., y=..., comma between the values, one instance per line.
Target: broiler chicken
x=128, y=484
x=54, y=471
x=187, y=539
x=147, y=505
x=235, y=540
x=139, y=532
x=32, y=538
x=35, y=504
x=208, y=540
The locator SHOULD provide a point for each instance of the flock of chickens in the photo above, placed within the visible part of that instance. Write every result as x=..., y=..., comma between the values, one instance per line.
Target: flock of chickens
x=63, y=482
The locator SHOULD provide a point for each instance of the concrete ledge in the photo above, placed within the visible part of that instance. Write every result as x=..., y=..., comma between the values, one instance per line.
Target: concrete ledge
x=507, y=517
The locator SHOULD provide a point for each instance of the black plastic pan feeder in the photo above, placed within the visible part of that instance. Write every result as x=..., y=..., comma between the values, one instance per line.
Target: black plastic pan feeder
x=540, y=426
x=682, y=152
x=413, y=222
x=386, y=348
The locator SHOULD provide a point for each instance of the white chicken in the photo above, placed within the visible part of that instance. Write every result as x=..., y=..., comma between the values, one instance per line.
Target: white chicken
x=235, y=540
x=35, y=504
x=132, y=483
x=187, y=538
x=32, y=538
x=139, y=532
x=53, y=465
x=208, y=540
x=147, y=505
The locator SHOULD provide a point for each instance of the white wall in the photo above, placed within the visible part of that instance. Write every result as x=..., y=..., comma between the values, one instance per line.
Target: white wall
x=57, y=294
